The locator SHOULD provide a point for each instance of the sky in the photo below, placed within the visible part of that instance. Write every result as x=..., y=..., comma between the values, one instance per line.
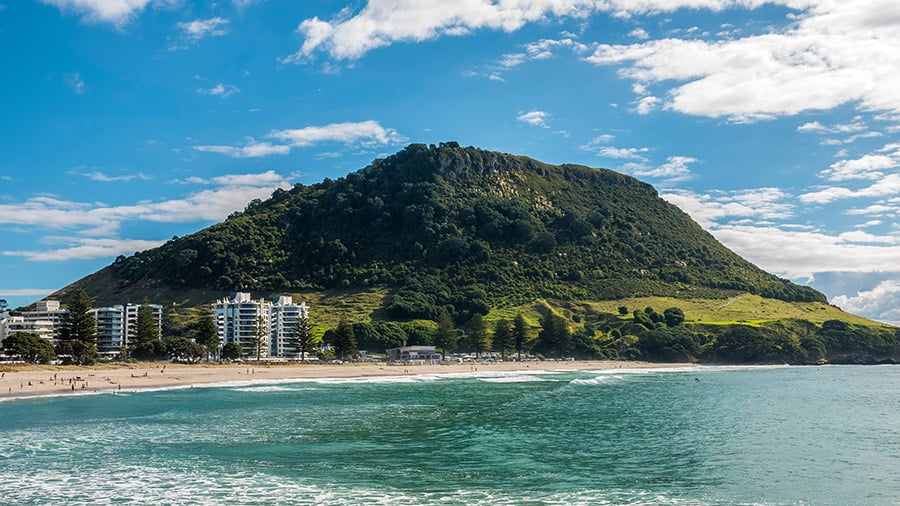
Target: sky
x=774, y=124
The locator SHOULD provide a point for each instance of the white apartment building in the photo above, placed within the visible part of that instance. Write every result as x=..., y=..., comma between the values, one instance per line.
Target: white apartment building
x=284, y=322
x=117, y=326
x=242, y=320
x=46, y=320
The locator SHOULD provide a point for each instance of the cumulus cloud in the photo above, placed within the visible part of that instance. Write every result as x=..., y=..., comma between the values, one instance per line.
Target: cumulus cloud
x=639, y=33
x=675, y=169
x=757, y=203
x=622, y=153
x=888, y=185
x=116, y=12
x=26, y=292
x=85, y=249
x=534, y=118
x=381, y=23
x=835, y=53
x=250, y=150
x=883, y=301
x=226, y=194
x=542, y=49
x=801, y=254
x=367, y=133
x=220, y=90
x=104, y=178
x=867, y=167
x=200, y=28
x=646, y=105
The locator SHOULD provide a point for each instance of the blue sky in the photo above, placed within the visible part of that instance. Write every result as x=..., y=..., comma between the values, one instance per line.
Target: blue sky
x=774, y=124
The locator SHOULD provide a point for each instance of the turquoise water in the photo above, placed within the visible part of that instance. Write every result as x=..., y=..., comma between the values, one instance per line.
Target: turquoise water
x=706, y=436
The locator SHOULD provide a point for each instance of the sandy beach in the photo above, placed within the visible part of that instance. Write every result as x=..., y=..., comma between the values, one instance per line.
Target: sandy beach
x=21, y=381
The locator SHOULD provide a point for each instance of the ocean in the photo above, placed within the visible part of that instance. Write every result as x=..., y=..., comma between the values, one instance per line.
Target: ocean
x=825, y=435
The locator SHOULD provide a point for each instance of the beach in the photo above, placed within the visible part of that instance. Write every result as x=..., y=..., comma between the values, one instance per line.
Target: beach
x=22, y=381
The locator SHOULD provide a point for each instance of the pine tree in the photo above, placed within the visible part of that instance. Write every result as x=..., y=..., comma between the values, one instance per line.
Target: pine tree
x=80, y=321
x=554, y=336
x=146, y=328
x=303, y=338
x=343, y=340
x=478, y=339
x=445, y=334
x=520, y=335
x=503, y=337
x=208, y=335
x=79, y=333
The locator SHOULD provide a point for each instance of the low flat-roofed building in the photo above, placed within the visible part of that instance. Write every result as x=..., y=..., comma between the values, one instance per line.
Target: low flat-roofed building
x=413, y=355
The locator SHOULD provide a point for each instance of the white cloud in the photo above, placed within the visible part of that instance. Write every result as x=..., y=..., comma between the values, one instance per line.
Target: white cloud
x=104, y=178
x=597, y=141
x=835, y=53
x=26, y=292
x=85, y=249
x=801, y=254
x=381, y=23
x=866, y=167
x=251, y=150
x=791, y=250
x=546, y=48
x=512, y=60
x=199, y=28
x=883, y=302
x=243, y=4
x=646, y=105
x=220, y=90
x=539, y=50
x=534, y=118
x=888, y=185
x=75, y=82
x=228, y=194
x=622, y=153
x=814, y=126
x=116, y=12
x=367, y=133
x=757, y=203
x=639, y=33
x=675, y=169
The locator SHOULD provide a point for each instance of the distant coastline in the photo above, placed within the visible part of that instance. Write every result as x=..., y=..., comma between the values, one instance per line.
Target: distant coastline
x=32, y=381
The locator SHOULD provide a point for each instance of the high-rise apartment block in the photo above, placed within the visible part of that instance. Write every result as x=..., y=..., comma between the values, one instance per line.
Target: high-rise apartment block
x=260, y=327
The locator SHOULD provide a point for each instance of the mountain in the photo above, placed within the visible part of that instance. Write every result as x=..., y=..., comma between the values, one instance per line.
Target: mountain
x=461, y=223
x=462, y=229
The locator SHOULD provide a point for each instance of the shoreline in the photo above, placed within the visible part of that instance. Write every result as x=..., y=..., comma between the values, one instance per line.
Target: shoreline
x=20, y=382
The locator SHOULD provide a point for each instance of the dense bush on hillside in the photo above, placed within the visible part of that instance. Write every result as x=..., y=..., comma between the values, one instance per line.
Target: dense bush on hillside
x=459, y=229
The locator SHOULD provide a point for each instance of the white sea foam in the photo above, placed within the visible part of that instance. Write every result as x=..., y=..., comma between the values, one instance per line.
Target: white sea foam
x=274, y=388
x=598, y=380
x=513, y=379
x=137, y=484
